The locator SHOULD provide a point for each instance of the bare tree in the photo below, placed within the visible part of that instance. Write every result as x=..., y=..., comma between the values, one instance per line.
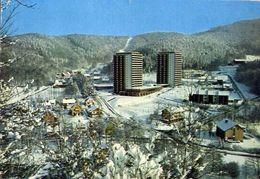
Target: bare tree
x=15, y=117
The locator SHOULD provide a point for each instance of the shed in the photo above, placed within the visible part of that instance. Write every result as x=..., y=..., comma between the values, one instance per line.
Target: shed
x=228, y=129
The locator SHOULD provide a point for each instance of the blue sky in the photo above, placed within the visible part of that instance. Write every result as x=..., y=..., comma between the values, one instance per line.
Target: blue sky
x=130, y=17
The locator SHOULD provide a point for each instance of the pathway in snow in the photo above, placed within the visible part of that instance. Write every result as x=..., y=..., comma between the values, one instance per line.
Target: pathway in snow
x=126, y=45
x=242, y=88
x=110, y=110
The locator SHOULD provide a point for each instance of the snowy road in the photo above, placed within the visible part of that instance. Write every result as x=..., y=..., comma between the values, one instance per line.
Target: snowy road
x=105, y=104
x=242, y=89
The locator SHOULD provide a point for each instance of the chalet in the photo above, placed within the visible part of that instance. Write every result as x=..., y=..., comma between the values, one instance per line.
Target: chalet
x=49, y=103
x=166, y=114
x=60, y=83
x=89, y=101
x=228, y=129
x=172, y=116
x=75, y=110
x=67, y=102
x=50, y=118
x=94, y=111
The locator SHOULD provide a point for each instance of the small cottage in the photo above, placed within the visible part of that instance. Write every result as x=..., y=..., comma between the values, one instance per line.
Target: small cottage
x=166, y=114
x=68, y=102
x=49, y=103
x=172, y=116
x=228, y=129
x=94, y=111
x=75, y=110
x=50, y=118
x=89, y=101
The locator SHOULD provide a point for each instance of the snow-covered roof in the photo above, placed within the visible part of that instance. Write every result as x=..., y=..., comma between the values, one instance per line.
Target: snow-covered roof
x=212, y=92
x=224, y=93
x=180, y=109
x=87, y=75
x=68, y=101
x=221, y=77
x=225, y=124
x=97, y=77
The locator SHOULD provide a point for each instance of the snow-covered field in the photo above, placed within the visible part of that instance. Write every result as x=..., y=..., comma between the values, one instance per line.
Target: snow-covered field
x=142, y=107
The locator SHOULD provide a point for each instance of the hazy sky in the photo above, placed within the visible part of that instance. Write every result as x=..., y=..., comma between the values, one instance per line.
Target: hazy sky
x=130, y=17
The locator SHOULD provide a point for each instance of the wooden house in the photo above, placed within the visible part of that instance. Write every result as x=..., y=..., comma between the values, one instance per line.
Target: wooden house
x=178, y=115
x=60, y=83
x=89, y=101
x=50, y=118
x=49, y=103
x=172, y=116
x=68, y=102
x=228, y=129
x=94, y=111
x=75, y=110
x=166, y=114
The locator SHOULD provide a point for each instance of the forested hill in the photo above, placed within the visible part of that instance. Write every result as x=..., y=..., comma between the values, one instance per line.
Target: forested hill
x=43, y=56
x=206, y=49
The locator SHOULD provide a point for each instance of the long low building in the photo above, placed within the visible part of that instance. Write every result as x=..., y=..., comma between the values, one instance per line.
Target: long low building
x=248, y=59
x=210, y=97
x=143, y=90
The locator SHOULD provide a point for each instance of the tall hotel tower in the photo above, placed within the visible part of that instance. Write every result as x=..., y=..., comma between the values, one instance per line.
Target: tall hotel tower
x=128, y=71
x=169, y=68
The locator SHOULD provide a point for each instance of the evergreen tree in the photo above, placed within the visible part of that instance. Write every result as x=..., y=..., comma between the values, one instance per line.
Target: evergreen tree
x=72, y=90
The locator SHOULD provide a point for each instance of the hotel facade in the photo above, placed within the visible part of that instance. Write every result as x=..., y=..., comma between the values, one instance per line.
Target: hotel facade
x=128, y=71
x=169, y=68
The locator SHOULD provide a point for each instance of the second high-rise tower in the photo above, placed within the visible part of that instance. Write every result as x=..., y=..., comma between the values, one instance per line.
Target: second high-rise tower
x=169, y=68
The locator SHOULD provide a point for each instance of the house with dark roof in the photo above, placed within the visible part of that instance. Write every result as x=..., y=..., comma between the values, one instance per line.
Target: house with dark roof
x=210, y=97
x=228, y=129
x=94, y=111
